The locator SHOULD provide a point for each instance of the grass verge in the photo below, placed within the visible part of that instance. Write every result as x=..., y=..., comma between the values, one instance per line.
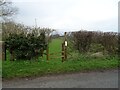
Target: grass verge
x=33, y=68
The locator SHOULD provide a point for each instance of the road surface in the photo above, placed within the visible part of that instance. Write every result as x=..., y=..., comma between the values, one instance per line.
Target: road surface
x=99, y=79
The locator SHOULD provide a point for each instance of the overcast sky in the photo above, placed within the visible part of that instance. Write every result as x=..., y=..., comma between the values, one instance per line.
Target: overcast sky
x=69, y=15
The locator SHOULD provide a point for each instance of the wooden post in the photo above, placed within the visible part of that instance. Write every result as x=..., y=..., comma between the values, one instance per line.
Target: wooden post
x=63, y=57
x=12, y=55
x=3, y=55
x=65, y=46
x=47, y=52
x=36, y=54
x=65, y=36
x=65, y=52
x=3, y=51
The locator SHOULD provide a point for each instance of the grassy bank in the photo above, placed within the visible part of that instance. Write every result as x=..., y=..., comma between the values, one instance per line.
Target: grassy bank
x=27, y=68
x=53, y=66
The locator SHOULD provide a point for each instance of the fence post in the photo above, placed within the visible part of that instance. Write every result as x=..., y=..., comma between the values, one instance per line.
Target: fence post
x=63, y=57
x=65, y=52
x=64, y=48
x=47, y=52
x=3, y=51
x=65, y=45
x=12, y=55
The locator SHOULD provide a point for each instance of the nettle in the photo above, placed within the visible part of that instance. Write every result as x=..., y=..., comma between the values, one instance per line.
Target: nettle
x=26, y=46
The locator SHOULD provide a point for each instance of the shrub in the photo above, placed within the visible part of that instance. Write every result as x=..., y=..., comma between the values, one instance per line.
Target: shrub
x=110, y=42
x=26, y=46
x=94, y=41
x=24, y=42
x=82, y=40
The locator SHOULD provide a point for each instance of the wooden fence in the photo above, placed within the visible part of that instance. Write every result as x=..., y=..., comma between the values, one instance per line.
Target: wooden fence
x=63, y=51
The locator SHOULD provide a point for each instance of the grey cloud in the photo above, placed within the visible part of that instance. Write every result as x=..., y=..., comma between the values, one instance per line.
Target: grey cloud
x=63, y=14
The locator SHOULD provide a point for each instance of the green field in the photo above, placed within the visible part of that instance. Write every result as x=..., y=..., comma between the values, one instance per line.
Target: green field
x=77, y=63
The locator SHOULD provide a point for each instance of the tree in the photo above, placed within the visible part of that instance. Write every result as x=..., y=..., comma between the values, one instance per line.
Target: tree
x=7, y=9
x=12, y=27
x=48, y=32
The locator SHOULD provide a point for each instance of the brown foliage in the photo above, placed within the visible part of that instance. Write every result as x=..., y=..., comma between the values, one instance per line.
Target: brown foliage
x=83, y=40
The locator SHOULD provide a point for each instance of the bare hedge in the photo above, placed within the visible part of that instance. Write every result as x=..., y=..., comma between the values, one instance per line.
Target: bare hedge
x=84, y=39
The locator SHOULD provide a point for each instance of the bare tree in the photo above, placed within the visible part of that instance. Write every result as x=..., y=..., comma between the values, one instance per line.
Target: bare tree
x=48, y=33
x=7, y=9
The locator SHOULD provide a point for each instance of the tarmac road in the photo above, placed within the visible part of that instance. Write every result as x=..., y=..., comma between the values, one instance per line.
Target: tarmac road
x=96, y=79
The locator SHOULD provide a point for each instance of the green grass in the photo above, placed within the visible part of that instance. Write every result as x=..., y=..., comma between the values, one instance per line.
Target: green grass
x=26, y=68
x=12, y=69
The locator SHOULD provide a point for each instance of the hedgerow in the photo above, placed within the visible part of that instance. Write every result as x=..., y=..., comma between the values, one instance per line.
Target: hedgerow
x=24, y=47
x=95, y=41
